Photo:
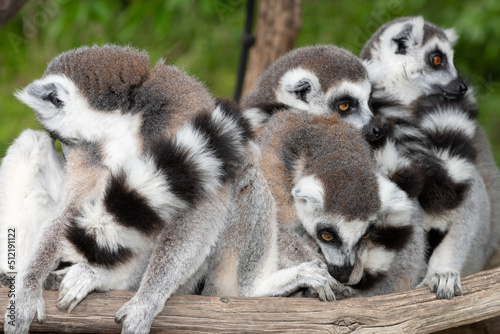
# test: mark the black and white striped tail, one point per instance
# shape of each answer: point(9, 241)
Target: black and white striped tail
point(203, 156)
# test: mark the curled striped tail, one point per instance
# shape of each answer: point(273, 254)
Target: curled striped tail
point(205, 153)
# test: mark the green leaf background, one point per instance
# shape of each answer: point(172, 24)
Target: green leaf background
point(204, 38)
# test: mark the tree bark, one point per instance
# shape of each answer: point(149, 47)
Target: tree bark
point(9, 8)
point(278, 25)
point(416, 311)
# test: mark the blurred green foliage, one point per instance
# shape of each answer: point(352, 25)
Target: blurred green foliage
point(204, 38)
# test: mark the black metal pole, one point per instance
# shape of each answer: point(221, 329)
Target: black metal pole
point(247, 41)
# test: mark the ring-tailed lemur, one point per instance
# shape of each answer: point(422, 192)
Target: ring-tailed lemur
point(148, 187)
point(318, 79)
point(434, 148)
point(149, 150)
point(321, 80)
point(324, 179)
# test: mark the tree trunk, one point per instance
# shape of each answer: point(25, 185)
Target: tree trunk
point(9, 8)
point(278, 25)
point(416, 311)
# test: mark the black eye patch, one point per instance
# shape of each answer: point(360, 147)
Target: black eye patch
point(436, 58)
point(328, 235)
point(344, 105)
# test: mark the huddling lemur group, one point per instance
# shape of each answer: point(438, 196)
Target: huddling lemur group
point(335, 177)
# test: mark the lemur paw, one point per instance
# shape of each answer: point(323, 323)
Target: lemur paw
point(444, 284)
point(27, 303)
point(4, 281)
point(78, 282)
point(137, 317)
point(344, 292)
point(316, 277)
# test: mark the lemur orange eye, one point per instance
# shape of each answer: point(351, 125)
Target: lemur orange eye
point(436, 60)
point(366, 236)
point(326, 237)
point(344, 106)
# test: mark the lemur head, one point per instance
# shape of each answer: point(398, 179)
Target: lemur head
point(408, 58)
point(317, 79)
point(89, 92)
point(321, 168)
point(354, 246)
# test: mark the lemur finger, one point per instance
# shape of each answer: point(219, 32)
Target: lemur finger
point(121, 314)
point(40, 311)
point(333, 283)
point(458, 287)
point(322, 293)
point(74, 303)
point(433, 283)
point(330, 295)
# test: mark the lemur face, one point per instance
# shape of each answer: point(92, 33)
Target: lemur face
point(411, 58)
point(319, 80)
point(301, 89)
point(353, 247)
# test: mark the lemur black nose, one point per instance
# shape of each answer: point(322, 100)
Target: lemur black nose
point(463, 88)
point(341, 274)
point(454, 89)
point(373, 131)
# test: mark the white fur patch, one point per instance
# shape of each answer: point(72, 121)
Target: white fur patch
point(378, 259)
point(389, 160)
point(121, 141)
point(449, 120)
point(256, 117)
point(460, 170)
point(452, 35)
point(310, 189)
point(441, 222)
point(396, 206)
point(308, 194)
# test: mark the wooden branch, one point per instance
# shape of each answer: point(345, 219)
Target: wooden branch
point(416, 311)
point(9, 8)
point(278, 25)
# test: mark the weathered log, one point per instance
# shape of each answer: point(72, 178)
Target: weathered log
point(416, 311)
point(278, 25)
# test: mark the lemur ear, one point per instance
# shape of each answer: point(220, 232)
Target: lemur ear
point(452, 36)
point(395, 204)
point(308, 192)
point(301, 89)
point(297, 85)
point(41, 93)
point(408, 35)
